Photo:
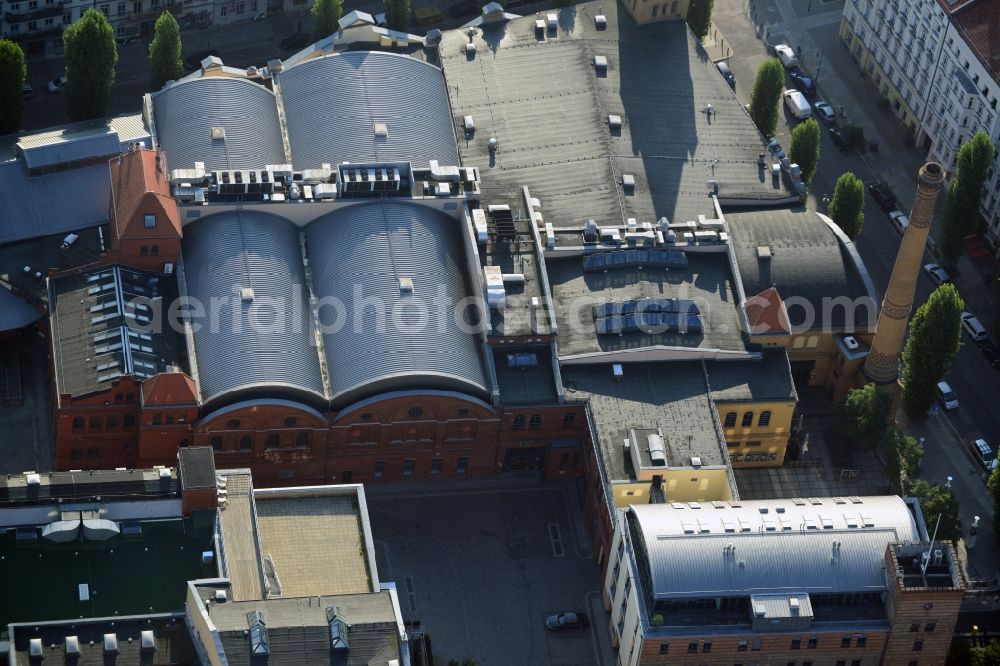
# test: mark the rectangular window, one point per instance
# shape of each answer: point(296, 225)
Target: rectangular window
point(535, 422)
point(241, 7)
point(222, 10)
point(742, 646)
point(757, 644)
point(915, 626)
point(157, 419)
point(518, 423)
point(706, 646)
point(841, 662)
point(149, 221)
point(379, 469)
point(564, 461)
point(463, 466)
point(862, 641)
point(813, 642)
point(436, 466)
point(692, 647)
point(121, 8)
point(137, 7)
point(918, 646)
point(664, 648)
point(408, 466)
point(855, 662)
point(845, 642)
point(930, 626)
point(796, 643)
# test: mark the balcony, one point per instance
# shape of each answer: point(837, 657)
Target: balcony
point(153, 13)
point(48, 11)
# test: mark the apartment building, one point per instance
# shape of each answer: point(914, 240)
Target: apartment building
point(936, 63)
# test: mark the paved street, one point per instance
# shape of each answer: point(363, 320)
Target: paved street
point(813, 25)
point(512, 550)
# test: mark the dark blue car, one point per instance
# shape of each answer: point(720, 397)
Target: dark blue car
point(803, 82)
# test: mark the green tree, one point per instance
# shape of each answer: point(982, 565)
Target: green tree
point(961, 209)
point(996, 303)
point(847, 208)
point(766, 96)
point(903, 455)
point(805, 148)
point(165, 51)
point(12, 75)
point(993, 486)
point(987, 656)
point(699, 17)
point(861, 415)
point(326, 13)
point(397, 15)
point(935, 333)
point(91, 56)
point(936, 500)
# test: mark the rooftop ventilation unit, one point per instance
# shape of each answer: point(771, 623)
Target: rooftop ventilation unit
point(601, 63)
point(617, 371)
point(601, 22)
point(147, 641)
point(469, 124)
point(218, 133)
point(590, 232)
point(35, 650)
point(764, 252)
point(220, 596)
point(614, 122)
point(72, 645)
point(759, 610)
point(851, 342)
point(258, 633)
point(32, 479)
point(628, 182)
point(657, 451)
point(405, 285)
point(110, 643)
point(552, 20)
point(695, 461)
point(246, 294)
point(381, 130)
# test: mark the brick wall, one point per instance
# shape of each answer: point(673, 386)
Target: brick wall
point(726, 650)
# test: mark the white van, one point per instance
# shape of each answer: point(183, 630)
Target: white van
point(786, 55)
point(946, 396)
point(973, 326)
point(797, 104)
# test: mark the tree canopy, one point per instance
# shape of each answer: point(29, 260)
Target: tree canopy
point(165, 51)
point(861, 415)
point(699, 17)
point(805, 148)
point(397, 15)
point(961, 210)
point(12, 75)
point(903, 455)
point(935, 334)
point(766, 96)
point(91, 56)
point(936, 500)
point(326, 13)
point(847, 208)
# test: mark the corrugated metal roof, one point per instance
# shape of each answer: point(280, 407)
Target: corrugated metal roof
point(71, 149)
point(793, 547)
point(186, 112)
point(332, 103)
point(51, 204)
point(367, 249)
point(130, 127)
point(230, 251)
point(15, 312)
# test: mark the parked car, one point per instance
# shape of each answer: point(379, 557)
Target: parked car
point(797, 104)
point(885, 199)
point(27, 90)
point(57, 84)
point(566, 621)
point(840, 139)
point(727, 73)
point(991, 353)
point(984, 454)
point(296, 41)
point(803, 82)
point(825, 112)
point(193, 61)
point(946, 396)
point(775, 148)
point(936, 273)
point(899, 220)
point(973, 326)
point(260, 17)
point(786, 55)
point(125, 41)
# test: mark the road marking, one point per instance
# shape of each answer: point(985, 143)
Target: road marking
point(556, 538)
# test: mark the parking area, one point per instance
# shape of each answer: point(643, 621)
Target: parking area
point(481, 563)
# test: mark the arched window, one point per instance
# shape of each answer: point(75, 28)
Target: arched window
point(143, 251)
point(764, 418)
point(78, 423)
point(519, 422)
point(273, 440)
point(730, 420)
point(535, 422)
point(119, 397)
point(216, 443)
point(93, 453)
point(747, 419)
point(129, 421)
point(656, 10)
point(154, 251)
point(246, 443)
point(95, 423)
point(290, 422)
point(77, 454)
point(113, 422)
point(302, 440)
point(232, 424)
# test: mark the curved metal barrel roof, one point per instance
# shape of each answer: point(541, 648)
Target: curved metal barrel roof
point(252, 354)
point(820, 546)
point(332, 103)
point(186, 113)
point(360, 256)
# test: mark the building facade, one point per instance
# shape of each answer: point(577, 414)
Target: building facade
point(936, 65)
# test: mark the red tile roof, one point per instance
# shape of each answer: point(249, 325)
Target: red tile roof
point(169, 388)
point(979, 24)
point(133, 175)
point(767, 314)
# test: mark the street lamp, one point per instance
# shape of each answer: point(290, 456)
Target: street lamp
point(819, 67)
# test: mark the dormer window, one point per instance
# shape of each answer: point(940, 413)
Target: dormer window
point(149, 221)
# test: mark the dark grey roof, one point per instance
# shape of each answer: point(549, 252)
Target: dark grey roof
point(15, 312)
point(706, 280)
point(368, 249)
point(96, 338)
point(548, 108)
point(522, 383)
point(170, 636)
point(185, 114)
point(810, 263)
point(81, 486)
point(44, 254)
point(197, 467)
point(298, 632)
point(227, 252)
point(671, 396)
point(53, 203)
point(73, 149)
point(769, 378)
point(331, 105)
